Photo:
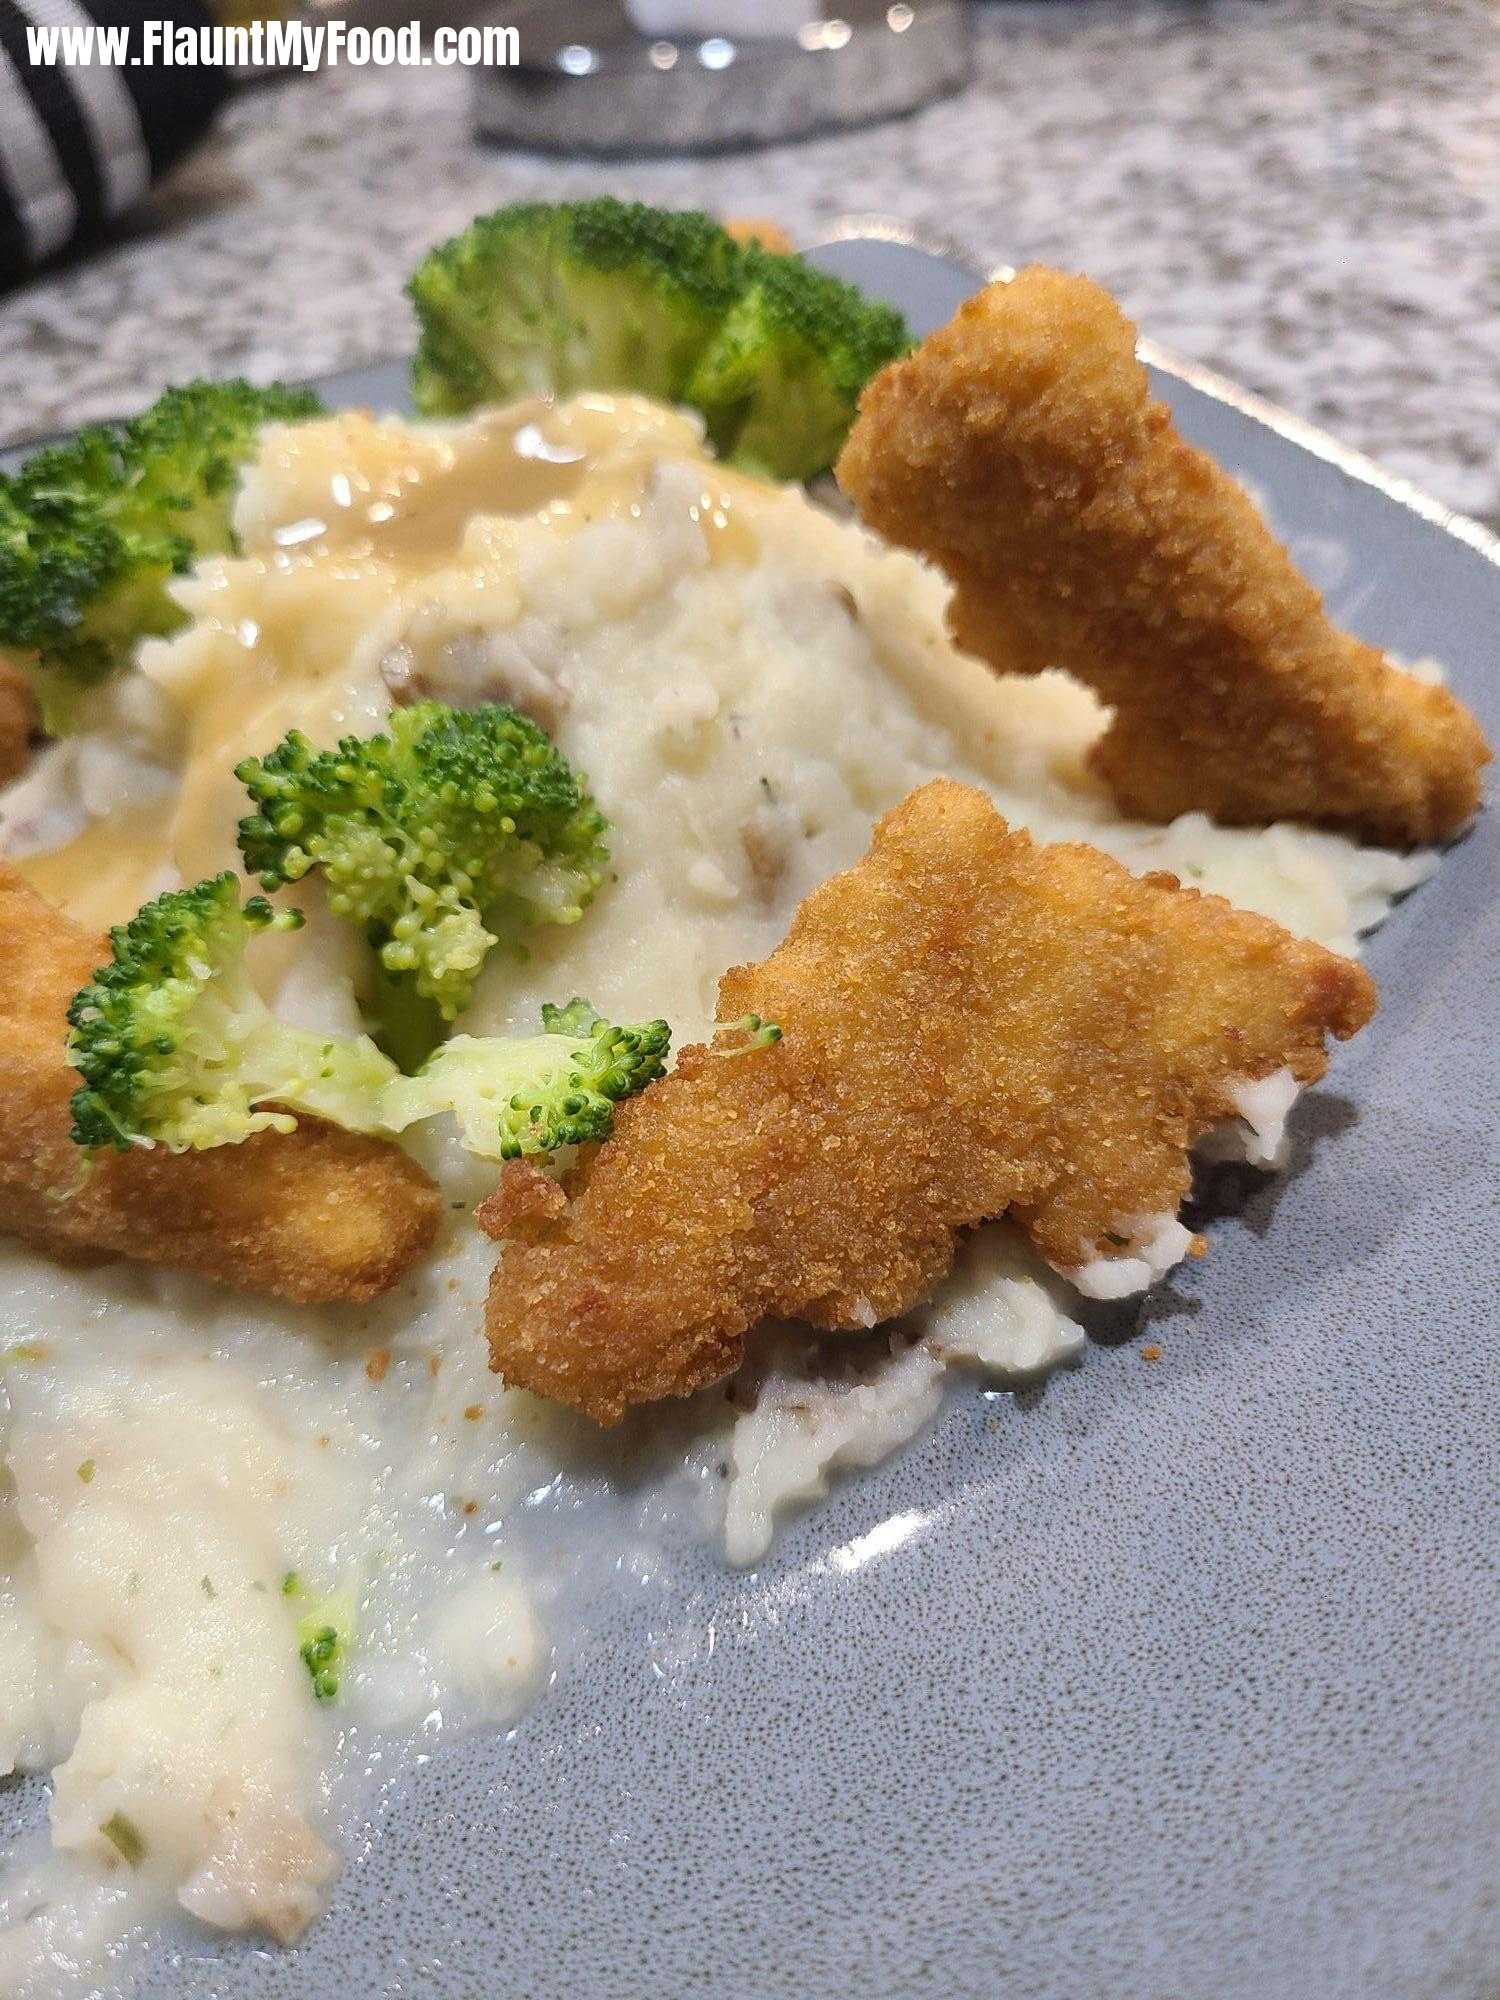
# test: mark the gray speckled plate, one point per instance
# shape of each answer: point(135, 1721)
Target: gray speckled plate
point(1174, 1681)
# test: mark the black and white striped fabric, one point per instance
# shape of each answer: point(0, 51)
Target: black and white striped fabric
point(80, 145)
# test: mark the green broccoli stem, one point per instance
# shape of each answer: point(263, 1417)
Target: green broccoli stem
point(327, 1076)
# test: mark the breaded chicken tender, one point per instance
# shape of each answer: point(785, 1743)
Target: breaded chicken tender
point(973, 1025)
point(316, 1215)
point(18, 720)
point(1020, 449)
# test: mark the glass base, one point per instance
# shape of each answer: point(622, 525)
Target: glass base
point(589, 83)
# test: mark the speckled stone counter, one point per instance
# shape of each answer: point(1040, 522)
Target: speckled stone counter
point(1304, 193)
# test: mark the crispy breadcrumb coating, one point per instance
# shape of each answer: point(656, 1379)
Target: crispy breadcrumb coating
point(316, 1215)
point(1020, 449)
point(972, 1025)
point(19, 720)
point(524, 1196)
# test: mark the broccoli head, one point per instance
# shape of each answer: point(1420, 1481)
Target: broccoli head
point(543, 297)
point(780, 383)
point(80, 579)
point(185, 453)
point(456, 829)
point(93, 531)
point(607, 294)
point(325, 1636)
point(534, 1094)
point(176, 1047)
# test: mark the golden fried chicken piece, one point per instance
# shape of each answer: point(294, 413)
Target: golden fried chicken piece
point(18, 720)
point(973, 1025)
point(1020, 449)
point(315, 1215)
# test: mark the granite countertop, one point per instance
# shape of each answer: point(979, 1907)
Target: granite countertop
point(1306, 197)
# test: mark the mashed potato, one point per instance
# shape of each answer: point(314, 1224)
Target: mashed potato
point(748, 684)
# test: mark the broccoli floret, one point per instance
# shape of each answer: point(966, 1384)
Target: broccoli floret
point(616, 295)
point(780, 384)
point(184, 454)
point(534, 1094)
point(759, 1034)
point(80, 579)
point(322, 1654)
point(541, 298)
point(176, 1047)
point(93, 531)
point(325, 1639)
point(457, 829)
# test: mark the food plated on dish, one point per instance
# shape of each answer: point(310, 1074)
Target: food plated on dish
point(937, 880)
